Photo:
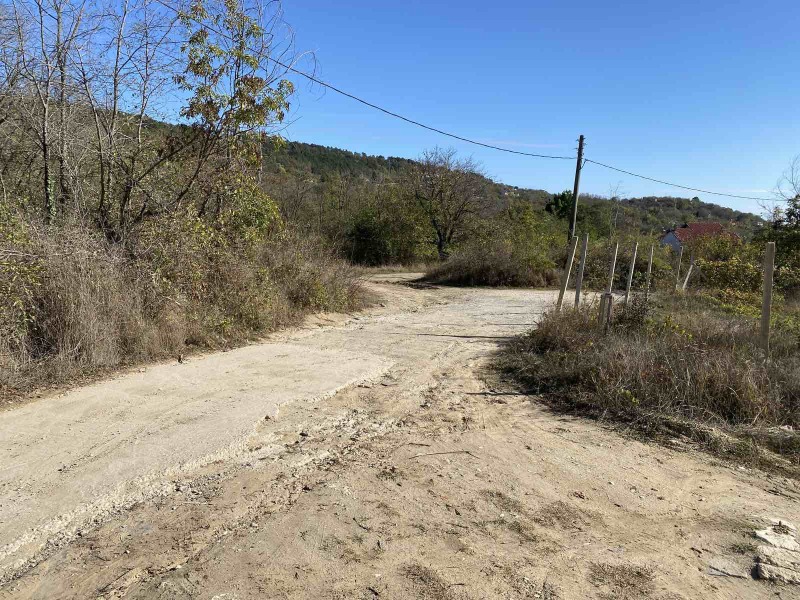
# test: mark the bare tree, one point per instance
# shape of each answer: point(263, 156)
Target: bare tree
point(785, 204)
point(86, 86)
point(69, 15)
point(293, 194)
point(41, 35)
point(449, 190)
point(788, 190)
point(9, 81)
point(615, 193)
point(788, 187)
point(9, 63)
point(130, 67)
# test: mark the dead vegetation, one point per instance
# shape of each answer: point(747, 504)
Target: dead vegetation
point(85, 306)
point(678, 369)
point(560, 515)
point(495, 263)
point(428, 585)
point(622, 581)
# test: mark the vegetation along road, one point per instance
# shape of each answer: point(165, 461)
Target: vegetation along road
point(372, 456)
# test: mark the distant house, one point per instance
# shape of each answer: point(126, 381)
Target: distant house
point(679, 236)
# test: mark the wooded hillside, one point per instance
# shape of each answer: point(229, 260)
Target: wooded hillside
point(303, 162)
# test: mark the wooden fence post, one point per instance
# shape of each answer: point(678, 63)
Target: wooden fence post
point(678, 269)
point(630, 274)
point(581, 268)
point(612, 268)
point(766, 305)
point(607, 298)
point(649, 273)
point(606, 308)
point(601, 316)
point(567, 270)
point(688, 273)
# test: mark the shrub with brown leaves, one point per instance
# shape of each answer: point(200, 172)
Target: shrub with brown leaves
point(82, 305)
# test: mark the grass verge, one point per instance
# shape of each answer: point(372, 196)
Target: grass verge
point(679, 368)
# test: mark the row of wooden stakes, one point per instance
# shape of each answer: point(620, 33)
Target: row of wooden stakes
point(607, 298)
point(573, 246)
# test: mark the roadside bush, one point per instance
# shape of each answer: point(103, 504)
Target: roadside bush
point(20, 275)
point(733, 273)
point(599, 258)
point(495, 263)
point(387, 235)
point(519, 248)
point(78, 304)
point(730, 277)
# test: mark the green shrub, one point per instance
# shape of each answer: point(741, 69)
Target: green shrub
point(518, 248)
point(733, 273)
point(392, 234)
point(599, 258)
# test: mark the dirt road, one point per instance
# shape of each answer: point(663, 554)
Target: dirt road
point(369, 458)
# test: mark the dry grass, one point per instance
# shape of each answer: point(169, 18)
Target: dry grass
point(418, 267)
point(427, 584)
point(681, 369)
point(623, 581)
point(89, 307)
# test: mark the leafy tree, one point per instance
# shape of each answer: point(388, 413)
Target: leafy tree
point(560, 205)
point(235, 94)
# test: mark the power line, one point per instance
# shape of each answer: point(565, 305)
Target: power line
point(412, 121)
point(329, 86)
point(388, 112)
point(375, 106)
point(677, 185)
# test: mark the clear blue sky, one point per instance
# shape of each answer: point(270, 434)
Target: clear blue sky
point(703, 93)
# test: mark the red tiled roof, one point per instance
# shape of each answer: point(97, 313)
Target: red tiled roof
point(695, 230)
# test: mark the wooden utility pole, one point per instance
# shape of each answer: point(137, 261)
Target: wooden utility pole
point(581, 268)
point(576, 189)
point(567, 271)
point(649, 274)
point(630, 273)
point(766, 305)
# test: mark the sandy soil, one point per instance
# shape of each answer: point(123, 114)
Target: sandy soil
point(367, 457)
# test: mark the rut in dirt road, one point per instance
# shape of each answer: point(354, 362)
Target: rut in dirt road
point(72, 459)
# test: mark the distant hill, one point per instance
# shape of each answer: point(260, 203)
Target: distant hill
point(654, 214)
point(313, 159)
point(676, 211)
point(650, 214)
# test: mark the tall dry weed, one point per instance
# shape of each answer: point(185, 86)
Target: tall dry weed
point(90, 306)
point(680, 361)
